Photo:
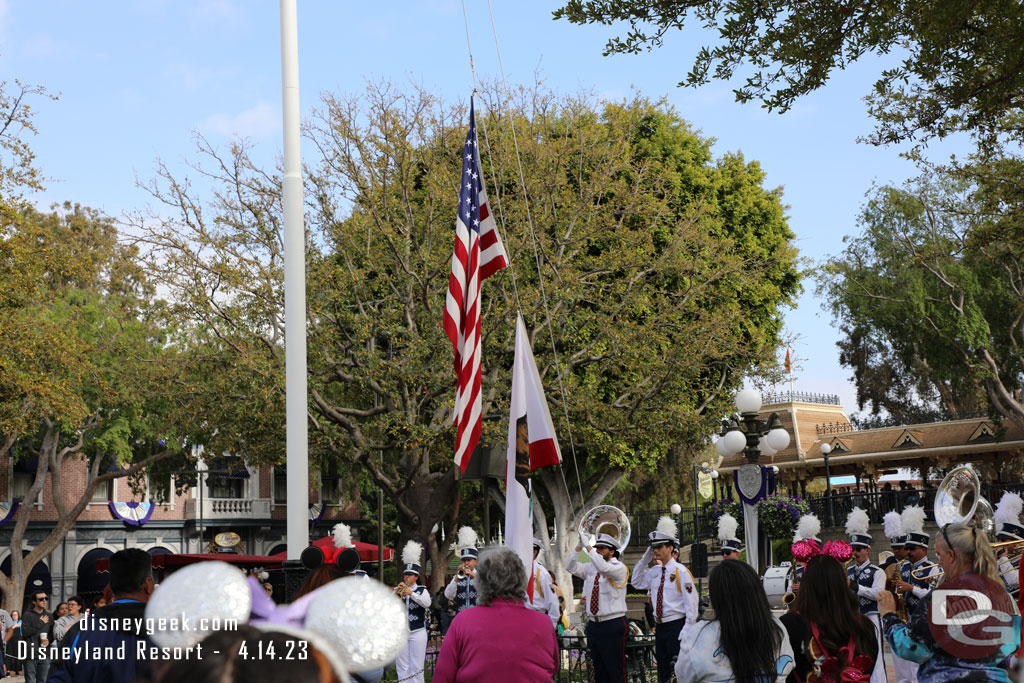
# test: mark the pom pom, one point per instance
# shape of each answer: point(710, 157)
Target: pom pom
point(727, 526)
point(667, 526)
point(1008, 509)
point(913, 520)
point(857, 522)
point(467, 538)
point(342, 536)
point(893, 524)
point(412, 552)
point(804, 550)
point(840, 550)
point(809, 526)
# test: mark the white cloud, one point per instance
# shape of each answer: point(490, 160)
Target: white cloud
point(256, 122)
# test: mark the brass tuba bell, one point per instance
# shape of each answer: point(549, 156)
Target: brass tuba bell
point(606, 519)
point(958, 500)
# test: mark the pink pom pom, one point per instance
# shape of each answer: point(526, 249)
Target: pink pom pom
point(804, 550)
point(840, 550)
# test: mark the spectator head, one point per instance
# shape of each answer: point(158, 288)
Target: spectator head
point(15, 614)
point(825, 599)
point(222, 665)
point(887, 486)
point(321, 576)
point(74, 605)
point(268, 588)
point(40, 601)
point(749, 637)
point(60, 610)
point(500, 576)
point(131, 574)
point(961, 548)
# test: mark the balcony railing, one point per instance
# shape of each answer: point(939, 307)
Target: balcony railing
point(643, 523)
point(228, 508)
point(878, 503)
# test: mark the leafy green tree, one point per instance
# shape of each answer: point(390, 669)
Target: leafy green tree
point(930, 297)
point(664, 270)
point(950, 65)
point(85, 381)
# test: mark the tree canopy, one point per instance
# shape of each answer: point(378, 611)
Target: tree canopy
point(665, 271)
point(950, 65)
point(930, 296)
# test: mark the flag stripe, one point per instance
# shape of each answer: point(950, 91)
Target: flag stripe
point(478, 253)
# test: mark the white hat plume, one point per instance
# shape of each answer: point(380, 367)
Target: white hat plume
point(667, 526)
point(1008, 509)
point(727, 526)
point(809, 526)
point(412, 552)
point(913, 519)
point(893, 524)
point(467, 537)
point(342, 536)
point(857, 522)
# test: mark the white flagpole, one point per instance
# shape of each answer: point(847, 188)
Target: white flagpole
point(294, 291)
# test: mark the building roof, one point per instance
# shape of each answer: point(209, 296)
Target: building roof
point(942, 444)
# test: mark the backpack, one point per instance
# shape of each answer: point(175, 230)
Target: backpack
point(828, 669)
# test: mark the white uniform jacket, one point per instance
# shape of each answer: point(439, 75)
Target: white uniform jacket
point(611, 589)
point(678, 594)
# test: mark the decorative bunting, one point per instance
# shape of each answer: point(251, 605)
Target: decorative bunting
point(131, 512)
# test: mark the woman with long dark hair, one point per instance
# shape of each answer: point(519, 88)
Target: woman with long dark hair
point(744, 642)
point(825, 622)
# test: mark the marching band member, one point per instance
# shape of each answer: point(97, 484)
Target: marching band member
point(670, 587)
point(1008, 528)
point(604, 597)
point(868, 580)
point(461, 590)
point(914, 588)
point(409, 662)
point(731, 545)
point(540, 591)
point(807, 529)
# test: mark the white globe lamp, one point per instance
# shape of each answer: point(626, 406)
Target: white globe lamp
point(778, 438)
point(748, 401)
point(826, 448)
point(735, 440)
point(721, 449)
point(714, 474)
point(676, 508)
point(766, 450)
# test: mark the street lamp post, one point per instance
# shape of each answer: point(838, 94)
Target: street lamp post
point(826, 448)
point(748, 433)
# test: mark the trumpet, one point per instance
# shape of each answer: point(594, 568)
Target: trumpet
point(400, 588)
point(461, 574)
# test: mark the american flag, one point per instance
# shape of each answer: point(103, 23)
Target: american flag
point(479, 253)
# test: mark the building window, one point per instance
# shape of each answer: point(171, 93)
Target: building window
point(104, 492)
point(280, 485)
point(20, 484)
point(225, 487)
point(330, 485)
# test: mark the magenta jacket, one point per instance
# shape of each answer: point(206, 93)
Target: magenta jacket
point(503, 642)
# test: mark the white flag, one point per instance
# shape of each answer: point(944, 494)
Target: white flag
point(531, 445)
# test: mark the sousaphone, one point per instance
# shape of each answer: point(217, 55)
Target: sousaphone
point(606, 519)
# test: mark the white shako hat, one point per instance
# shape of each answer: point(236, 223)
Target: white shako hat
point(665, 533)
point(894, 529)
point(1007, 516)
point(727, 526)
point(411, 557)
point(857, 523)
point(808, 528)
point(467, 540)
point(913, 526)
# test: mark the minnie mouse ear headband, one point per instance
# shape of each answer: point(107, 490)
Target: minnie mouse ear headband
point(805, 550)
point(357, 625)
point(343, 553)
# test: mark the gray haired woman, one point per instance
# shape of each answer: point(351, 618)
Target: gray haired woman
point(500, 640)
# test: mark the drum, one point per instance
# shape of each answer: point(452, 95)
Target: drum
point(776, 582)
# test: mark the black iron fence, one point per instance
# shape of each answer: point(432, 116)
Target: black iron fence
point(833, 508)
point(692, 528)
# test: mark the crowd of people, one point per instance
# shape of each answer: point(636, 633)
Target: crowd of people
point(848, 616)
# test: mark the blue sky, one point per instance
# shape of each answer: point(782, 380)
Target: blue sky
point(135, 80)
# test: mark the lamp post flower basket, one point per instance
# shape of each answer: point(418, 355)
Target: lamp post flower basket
point(778, 515)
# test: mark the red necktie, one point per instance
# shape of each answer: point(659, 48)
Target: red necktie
point(594, 594)
point(661, 591)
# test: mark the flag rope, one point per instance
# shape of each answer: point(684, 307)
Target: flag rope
point(540, 274)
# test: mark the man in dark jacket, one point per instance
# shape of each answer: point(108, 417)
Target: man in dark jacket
point(35, 628)
point(121, 624)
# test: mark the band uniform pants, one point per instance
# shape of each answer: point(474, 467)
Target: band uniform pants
point(607, 643)
point(905, 670)
point(410, 661)
point(666, 647)
point(878, 673)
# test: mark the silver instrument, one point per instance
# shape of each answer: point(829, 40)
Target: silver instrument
point(606, 519)
point(958, 500)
